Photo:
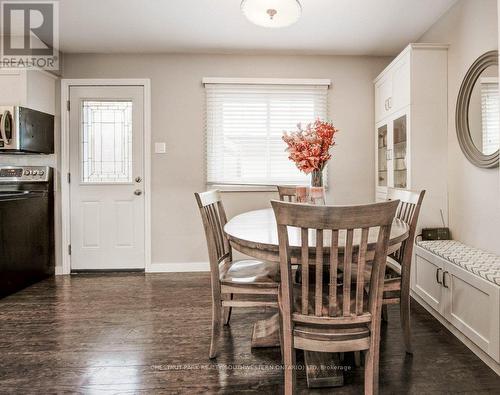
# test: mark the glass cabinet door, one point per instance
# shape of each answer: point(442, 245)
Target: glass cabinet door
point(382, 156)
point(399, 154)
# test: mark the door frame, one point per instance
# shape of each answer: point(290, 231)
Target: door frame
point(66, 84)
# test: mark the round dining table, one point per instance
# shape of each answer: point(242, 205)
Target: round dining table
point(255, 234)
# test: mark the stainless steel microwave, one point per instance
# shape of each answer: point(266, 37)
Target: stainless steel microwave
point(23, 130)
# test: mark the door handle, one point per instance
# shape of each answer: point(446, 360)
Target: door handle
point(444, 279)
point(138, 179)
point(437, 275)
point(3, 122)
point(137, 192)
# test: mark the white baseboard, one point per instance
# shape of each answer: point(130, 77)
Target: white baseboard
point(178, 267)
point(163, 268)
point(464, 339)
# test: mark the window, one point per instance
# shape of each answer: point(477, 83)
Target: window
point(106, 146)
point(490, 108)
point(244, 126)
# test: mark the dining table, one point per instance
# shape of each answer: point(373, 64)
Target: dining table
point(255, 234)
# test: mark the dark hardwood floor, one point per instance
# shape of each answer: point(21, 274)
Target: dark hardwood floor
point(135, 333)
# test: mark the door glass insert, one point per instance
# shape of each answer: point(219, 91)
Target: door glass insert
point(382, 156)
point(106, 141)
point(400, 168)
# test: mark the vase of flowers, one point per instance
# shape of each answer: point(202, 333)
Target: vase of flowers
point(309, 148)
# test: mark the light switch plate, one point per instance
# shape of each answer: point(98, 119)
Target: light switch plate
point(160, 148)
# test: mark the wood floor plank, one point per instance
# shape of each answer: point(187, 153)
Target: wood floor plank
point(136, 333)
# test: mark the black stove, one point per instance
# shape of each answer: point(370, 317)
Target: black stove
point(26, 226)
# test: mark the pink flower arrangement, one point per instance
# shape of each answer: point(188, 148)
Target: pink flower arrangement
point(309, 148)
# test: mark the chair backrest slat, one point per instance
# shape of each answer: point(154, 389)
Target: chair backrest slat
point(346, 307)
point(305, 269)
point(354, 224)
point(334, 262)
point(361, 270)
point(318, 304)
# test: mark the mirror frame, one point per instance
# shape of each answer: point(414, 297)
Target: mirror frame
point(469, 149)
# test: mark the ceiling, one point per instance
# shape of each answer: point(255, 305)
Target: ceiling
point(353, 27)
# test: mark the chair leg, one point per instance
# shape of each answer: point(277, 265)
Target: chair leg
point(372, 362)
point(281, 336)
point(384, 313)
point(404, 311)
point(216, 326)
point(369, 372)
point(289, 366)
point(357, 358)
point(227, 312)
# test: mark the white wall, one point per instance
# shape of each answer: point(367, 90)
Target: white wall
point(470, 27)
point(178, 104)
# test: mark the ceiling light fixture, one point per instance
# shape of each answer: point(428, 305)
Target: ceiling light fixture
point(272, 13)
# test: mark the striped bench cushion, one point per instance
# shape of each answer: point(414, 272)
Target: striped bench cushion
point(474, 260)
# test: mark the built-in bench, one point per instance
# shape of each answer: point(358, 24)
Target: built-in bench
point(474, 260)
point(460, 285)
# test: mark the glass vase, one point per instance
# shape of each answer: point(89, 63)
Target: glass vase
point(317, 178)
point(317, 193)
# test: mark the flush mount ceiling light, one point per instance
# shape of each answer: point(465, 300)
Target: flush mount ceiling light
point(272, 13)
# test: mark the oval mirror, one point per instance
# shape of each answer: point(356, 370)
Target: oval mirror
point(478, 112)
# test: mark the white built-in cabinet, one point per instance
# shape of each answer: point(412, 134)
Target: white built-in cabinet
point(468, 302)
point(411, 127)
point(35, 89)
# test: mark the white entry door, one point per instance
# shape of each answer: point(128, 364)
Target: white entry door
point(107, 177)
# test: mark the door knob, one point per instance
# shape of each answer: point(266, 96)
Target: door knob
point(138, 192)
point(138, 179)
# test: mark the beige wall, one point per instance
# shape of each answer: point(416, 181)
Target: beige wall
point(178, 104)
point(470, 27)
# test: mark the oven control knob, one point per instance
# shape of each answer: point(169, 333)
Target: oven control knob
point(34, 172)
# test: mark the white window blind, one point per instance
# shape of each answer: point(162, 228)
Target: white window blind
point(490, 110)
point(244, 126)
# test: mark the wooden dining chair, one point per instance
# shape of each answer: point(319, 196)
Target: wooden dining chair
point(397, 277)
point(241, 283)
point(339, 316)
point(287, 193)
